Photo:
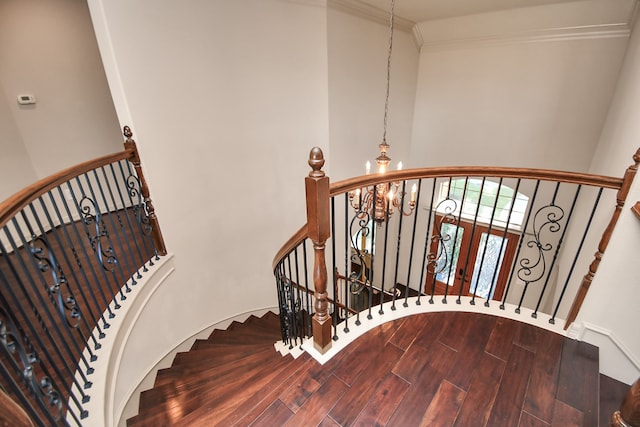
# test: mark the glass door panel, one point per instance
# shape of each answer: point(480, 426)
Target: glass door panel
point(487, 265)
point(448, 253)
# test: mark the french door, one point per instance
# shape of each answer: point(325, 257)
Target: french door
point(468, 260)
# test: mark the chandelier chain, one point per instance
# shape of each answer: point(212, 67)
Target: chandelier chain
point(386, 101)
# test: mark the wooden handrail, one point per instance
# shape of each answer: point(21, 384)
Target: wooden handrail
point(349, 184)
point(289, 246)
point(343, 186)
point(11, 206)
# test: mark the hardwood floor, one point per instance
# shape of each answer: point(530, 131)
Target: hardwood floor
point(437, 369)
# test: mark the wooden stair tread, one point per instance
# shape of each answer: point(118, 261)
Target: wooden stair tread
point(217, 377)
point(213, 393)
point(215, 365)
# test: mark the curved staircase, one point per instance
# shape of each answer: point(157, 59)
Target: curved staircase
point(222, 380)
point(448, 369)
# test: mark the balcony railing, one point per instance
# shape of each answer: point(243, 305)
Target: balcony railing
point(72, 246)
point(516, 242)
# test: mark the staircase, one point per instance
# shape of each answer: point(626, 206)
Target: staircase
point(452, 368)
point(221, 380)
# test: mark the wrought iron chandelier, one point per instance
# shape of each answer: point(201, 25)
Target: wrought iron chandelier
point(379, 201)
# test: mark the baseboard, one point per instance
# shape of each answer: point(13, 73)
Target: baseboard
point(616, 359)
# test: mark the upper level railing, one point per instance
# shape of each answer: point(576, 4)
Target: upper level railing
point(72, 246)
point(507, 238)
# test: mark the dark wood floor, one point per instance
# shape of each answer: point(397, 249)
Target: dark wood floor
point(438, 369)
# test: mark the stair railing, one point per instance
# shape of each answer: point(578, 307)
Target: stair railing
point(510, 238)
point(72, 246)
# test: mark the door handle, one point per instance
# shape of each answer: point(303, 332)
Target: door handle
point(465, 279)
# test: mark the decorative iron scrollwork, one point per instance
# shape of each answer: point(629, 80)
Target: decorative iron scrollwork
point(439, 260)
point(100, 241)
point(47, 263)
point(287, 311)
point(139, 207)
point(546, 222)
point(15, 348)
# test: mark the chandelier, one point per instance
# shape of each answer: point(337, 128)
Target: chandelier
point(379, 201)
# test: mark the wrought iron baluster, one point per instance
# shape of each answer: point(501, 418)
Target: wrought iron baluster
point(46, 396)
point(93, 223)
point(455, 237)
point(128, 253)
point(486, 245)
point(306, 286)
point(413, 240)
point(555, 255)
point(141, 262)
point(40, 302)
point(502, 243)
point(134, 193)
point(82, 243)
point(427, 240)
point(292, 304)
point(532, 202)
point(70, 302)
point(122, 262)
point(347, 270)
point(384, 260)
point(81, 270)
point(468, 254)
point(532, 271)
point(372, 257)
point(18, 308)
point(66, 307)
point(575, 259)
point(334, 269)
point(395, 274)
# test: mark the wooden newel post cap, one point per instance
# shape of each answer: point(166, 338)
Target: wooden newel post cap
point(126, 131)
point(316, 161)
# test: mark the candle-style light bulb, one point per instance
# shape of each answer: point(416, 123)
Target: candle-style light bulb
point(357, 198)
point(400, 165)
point(414, 190)
point(368, 167)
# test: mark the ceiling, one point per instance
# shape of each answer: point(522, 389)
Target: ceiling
point(425, 10)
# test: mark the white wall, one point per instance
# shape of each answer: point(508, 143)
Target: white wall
point(48, 49)
point(357, 63)
point(15, 164)
point(609, 315)
point(226, 99)
point(524, 87)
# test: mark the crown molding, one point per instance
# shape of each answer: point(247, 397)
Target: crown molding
point(550, 35)
point(588, 19)
point(363, 10)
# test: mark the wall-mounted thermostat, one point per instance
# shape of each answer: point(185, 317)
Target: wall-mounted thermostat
point(26, 99)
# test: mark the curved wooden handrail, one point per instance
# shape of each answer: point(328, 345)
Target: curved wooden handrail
point(349, 184)
point(462, 171)
point(293, 241)
point(11, 206)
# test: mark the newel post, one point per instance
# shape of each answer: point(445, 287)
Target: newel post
point(317, 191)
point(629, 413)
point(156, 234)
point(621, 197)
